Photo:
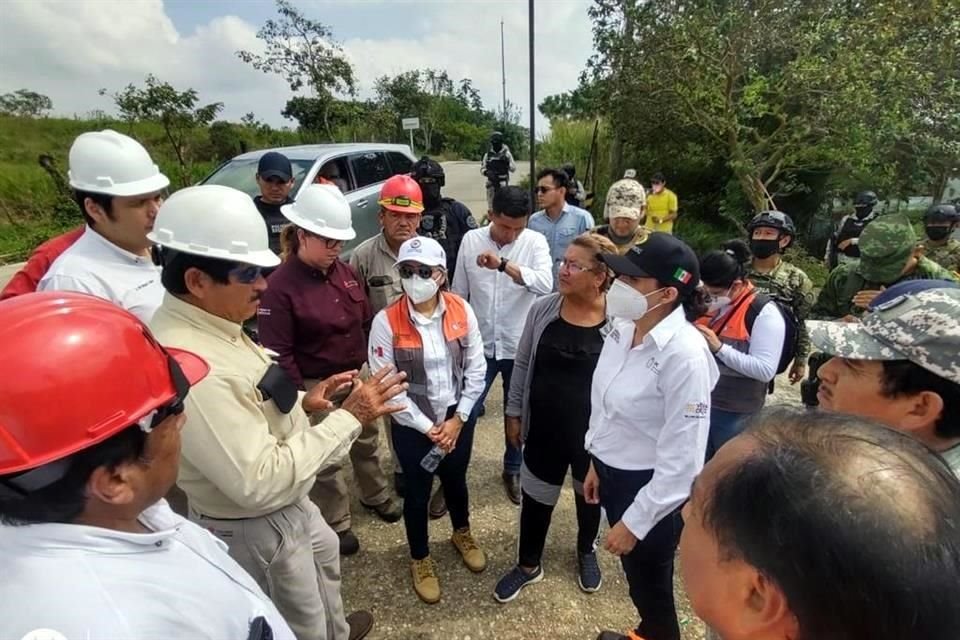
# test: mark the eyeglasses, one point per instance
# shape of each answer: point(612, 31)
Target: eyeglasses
point(422, 270)
point(544, 189)
point(246, 273)
point(329, 242)
point(181, 385)
point(573, 267)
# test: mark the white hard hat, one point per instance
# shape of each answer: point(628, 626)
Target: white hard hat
point(113, 164)
point(423, 250)
point(322, 209)
point(214, 221)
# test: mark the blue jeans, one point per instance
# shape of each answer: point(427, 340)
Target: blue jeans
point(512, 456)
point(724, 426)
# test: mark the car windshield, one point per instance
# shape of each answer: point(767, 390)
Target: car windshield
point(242, 174)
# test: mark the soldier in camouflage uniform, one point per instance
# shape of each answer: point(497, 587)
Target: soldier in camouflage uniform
point(771, 233)
point(889, 253)
point(900, 366)
point(623, 211)
point(939, 222)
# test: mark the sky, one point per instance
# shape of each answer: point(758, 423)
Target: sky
point(68, 49)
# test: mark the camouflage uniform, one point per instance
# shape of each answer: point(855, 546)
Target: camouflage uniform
point(790, 283)
point(946, 255)
point(922, 327)
point(625, 199)
point(885, 247)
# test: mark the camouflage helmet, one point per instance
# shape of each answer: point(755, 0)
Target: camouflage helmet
point(922, 327)
point(775, 219)
point(625, 199)
point(941, 213)
point(886, 245)
point(427, 168)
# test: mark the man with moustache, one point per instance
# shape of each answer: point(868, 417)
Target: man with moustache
point(249, 452)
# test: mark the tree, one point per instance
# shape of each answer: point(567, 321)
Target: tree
point(175, 110)
point(25, 104)
point(303, 52)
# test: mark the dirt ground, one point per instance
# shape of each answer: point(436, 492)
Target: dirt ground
point(378, 578)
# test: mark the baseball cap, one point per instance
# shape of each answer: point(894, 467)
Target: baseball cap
point(910, 287)
point(885, 246)
point(662, 256)
point(274, 165)
point(625, 199)
point(923, 328)
point(423, 250)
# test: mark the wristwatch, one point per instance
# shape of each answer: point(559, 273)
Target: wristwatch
point(503, 265)
point(463, 416)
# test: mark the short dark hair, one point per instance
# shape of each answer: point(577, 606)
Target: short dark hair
point(65, 500)
point(176, 263)
point(810, 508)
point(560, 177)
point(105, 201)
point(721, 268)
point(658, 177)
point(904, 378)
point(511, 201)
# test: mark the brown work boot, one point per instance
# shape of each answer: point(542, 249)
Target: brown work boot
point(438, 504)
point(473, 555)
point(425, 581)
point(361, 622)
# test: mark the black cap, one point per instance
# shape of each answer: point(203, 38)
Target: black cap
point(274, 165)
point(662, 256)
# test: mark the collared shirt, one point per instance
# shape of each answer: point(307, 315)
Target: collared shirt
point(500, 303)
point(376, 263)
point(28, 277)
point(442, 391)
point(316, 322)
point(650, 410)
point(572, 222)
point(241, 456)
point(89, 582)
point(96, 266)
point(952, 456)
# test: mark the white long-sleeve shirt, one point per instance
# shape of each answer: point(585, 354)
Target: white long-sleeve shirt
point(442, 389)
point(766, 344)
point(650, 410)
point(177, 581)
point(500, 303)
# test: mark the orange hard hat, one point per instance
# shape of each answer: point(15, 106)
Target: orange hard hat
point(77, 370)
point(402, 194)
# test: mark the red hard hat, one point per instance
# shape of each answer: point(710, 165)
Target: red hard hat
point(401, 193)
point(77, 370)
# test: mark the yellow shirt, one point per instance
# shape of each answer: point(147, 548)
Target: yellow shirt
point(659, 206)
point(241, 457)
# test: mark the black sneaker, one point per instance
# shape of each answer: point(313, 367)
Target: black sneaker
point(588, 572)
point(349, 544)
point(510, 585)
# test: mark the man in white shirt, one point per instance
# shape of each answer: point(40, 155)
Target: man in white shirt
point(119, 190)
point(501, 269)
point(90, 548)
point(558, 221)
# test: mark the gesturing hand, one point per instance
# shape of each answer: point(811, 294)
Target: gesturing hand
point(321, 397)
point(368, 400)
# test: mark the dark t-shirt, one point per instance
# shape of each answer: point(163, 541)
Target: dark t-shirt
point(562, 376)
point(274, 220)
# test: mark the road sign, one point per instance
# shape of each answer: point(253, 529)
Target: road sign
point(410, 123)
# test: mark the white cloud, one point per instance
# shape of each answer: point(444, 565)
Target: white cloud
point(69, 49)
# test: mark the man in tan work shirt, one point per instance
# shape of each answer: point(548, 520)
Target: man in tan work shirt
point(249, 453)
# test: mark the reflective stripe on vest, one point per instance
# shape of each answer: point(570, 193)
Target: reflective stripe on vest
point(408, 347)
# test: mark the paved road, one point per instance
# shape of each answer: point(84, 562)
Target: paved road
point(464, 183)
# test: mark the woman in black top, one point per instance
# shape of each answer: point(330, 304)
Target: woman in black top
point(548, 409)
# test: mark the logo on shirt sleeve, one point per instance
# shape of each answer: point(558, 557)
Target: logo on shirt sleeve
point(696, 410)
point(377, 351)
point(263, 311)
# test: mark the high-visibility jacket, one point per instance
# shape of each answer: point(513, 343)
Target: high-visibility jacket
point(408, 347)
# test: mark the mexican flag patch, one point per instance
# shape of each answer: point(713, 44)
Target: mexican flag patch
point(682, 275)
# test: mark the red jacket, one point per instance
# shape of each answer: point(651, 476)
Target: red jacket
point(27, 279)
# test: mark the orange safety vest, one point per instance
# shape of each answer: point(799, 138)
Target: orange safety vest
point(408, 346)
point(734, 391)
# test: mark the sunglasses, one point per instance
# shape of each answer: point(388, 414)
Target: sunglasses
point(247, 273)
point(422, 270)
point(173, 408)
point(544, 189)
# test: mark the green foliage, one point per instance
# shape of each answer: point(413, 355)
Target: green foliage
point(25, 104)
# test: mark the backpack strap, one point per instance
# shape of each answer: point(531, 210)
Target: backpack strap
point(756, 306)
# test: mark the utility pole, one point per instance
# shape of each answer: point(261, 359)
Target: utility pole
point(533, 148)
point(503, 74)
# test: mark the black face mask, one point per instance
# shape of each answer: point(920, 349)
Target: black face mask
point(764, 248)
point(431, 194)
point(938, 233)
point(497, 146)
point(862, 211)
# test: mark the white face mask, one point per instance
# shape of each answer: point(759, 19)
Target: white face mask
point(419, 289)
point(718, 304)
point(623, 301)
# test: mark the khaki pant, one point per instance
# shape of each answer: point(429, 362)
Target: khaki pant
point(331, 491)
point(295, 558)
